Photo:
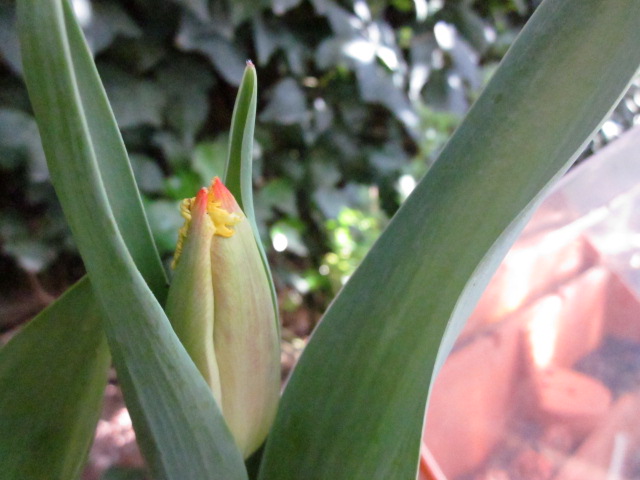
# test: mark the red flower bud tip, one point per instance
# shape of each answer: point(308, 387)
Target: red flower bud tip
point(222, 208)
point(221, 307)
point(201, 201)
point(222, 194)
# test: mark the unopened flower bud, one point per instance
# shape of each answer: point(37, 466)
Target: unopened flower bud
point(221, 307)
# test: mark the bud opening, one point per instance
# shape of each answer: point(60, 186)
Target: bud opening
point(221, 208)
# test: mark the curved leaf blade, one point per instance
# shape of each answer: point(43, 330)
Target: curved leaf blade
point(66, 344)
point(238, 170)
point(354, 406)
point(238, 175)
point(113, 162)
point(179, 426)
point(52, 379)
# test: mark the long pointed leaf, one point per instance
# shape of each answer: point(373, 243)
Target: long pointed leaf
point(238, 170)
point(354, 406)
point(179, 427)
point(52, 378)
point(64, 430)
point(113, 163)
point(238, 175)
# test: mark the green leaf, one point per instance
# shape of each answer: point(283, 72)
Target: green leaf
point(213, 39)
point(238, 171)
point(9, 48)
point(279, 194)
point(269, 37)
point(209, 158)
point(354, 406)
point(280, 7)
point(107, 21)
point(148, 173)
point(123, 473)
point(287, 105)
point(199, 8)
point(165, 220)
point(52, 375)
point(178, 425)
point(32, 254)
point(135, 101)
point(112, 161)
point(19, 138)
point(186, 83)
point(238, 174)
point(182, 184)
point(65, 427)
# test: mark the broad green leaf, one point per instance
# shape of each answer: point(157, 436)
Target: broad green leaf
point(135, 101)
point(186, 83)
point(354, 406)
point(209, 158)
point(179, 427)
point(8, 41)
point(74, 384)
point(238, 174)
point(200, 8)
point(287, 105)
point(20, 141)
point(212, 39)
point(52, 378)
point(165, 220)
point(106, 22)
point(113, 163)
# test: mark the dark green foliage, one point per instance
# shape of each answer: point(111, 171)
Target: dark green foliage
point(352, 98)
point(345, 132)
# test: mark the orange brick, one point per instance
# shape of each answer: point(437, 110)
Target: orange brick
point(471, 400)
point(570, 398)
point(594, 457)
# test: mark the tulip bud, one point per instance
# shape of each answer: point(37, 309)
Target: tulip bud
point(221, 307)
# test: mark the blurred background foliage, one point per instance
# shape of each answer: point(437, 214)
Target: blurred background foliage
point(356, 100)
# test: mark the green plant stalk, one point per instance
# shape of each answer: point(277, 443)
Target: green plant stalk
point(354, 406)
